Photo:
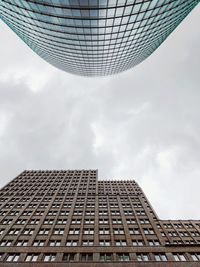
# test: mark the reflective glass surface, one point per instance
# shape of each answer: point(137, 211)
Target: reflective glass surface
point(94, 37)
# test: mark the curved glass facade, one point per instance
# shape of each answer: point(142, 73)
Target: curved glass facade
point(94, 37)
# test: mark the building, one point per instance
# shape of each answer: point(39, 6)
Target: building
point(69, 218)
point(94, 37)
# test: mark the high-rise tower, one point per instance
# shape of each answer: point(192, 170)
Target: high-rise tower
point(94, 37)
point(69, 218)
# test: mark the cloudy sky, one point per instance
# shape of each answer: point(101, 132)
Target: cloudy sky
point(142, 124)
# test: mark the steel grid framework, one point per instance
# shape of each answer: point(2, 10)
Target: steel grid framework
point(94, 37)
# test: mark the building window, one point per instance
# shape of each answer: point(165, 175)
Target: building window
point(3, 212)
point(5, 243)
point(142, 257)
point(77, 212)
point(148, 231)
point(32, 257)
point(130, 221)
point(38, 243)
point(88, 231)
point(137, 243)
point(55, 205)
point(195, 234)
point(71, 243)
point(49, 257)
point(64, 212)
point(20, 221)
point(14, 232)
point(140, 212)
point(34, 221)
point(177, 225)
point(86, 256)
point(62, 221)
point(59, 231)
point(134, 231)
point(154, 243)
point(38, 213)
point(44, 231)
point(128, 212)
point(195, 256)
point(105, 256)
point(104, 231)
point(183, 233)
point(189, 225)
point(7, 221)
point(88, 243)
point(160, 257)
point(89, 221)
point(22, 243)
point(69, 257)
point(48, 221)
point(28, 231)
point(103, 213)
point(103, 221)
point(104, 243)
point(52, 212)
point(115, 212)
point(117, 221)
point(76, 221)
point(172, 233)
point(1, 231)
point(13, 257)
point(74, 231)
point(144, 221)
point(54, 243)
point(120, 243)
point(123, 257)
point(118, 231)
point(179, 257)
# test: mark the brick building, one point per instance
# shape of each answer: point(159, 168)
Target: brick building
point(69, 218)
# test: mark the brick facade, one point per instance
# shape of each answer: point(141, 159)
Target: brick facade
point(70, 218)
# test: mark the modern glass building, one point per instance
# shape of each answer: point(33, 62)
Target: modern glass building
point(94, 37)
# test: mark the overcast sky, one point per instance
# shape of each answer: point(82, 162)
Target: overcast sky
point(143, 124)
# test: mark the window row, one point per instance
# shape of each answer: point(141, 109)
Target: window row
point(74, 221)
point(75, 242)
point(105, 257)
point(76, 231)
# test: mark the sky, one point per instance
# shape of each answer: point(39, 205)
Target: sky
point(142, 124)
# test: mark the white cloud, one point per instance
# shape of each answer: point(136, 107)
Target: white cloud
point(142, 124)
point(3, 123)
